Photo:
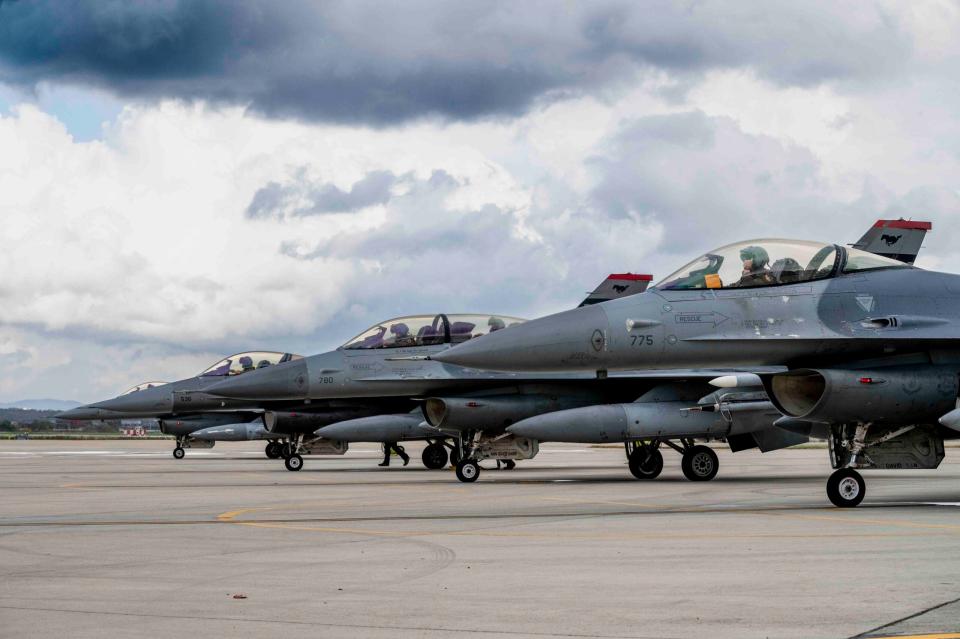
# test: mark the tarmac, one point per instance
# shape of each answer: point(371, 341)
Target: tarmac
point(118, 539)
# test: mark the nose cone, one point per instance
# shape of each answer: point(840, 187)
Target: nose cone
point(282, 381)
point(145, 403)
point(572, 340)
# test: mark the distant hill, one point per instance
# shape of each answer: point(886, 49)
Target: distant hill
point(41, 404)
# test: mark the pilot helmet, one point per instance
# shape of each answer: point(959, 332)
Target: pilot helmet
point(756, 253)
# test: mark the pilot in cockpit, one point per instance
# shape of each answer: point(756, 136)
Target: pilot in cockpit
point(495, 324)
point(400, 335)
point(755, 270)
point(246, 364)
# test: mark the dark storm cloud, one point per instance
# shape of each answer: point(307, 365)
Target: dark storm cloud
point(301, 197)
point(381, 63)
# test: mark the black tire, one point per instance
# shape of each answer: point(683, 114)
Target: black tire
point(178, 453)
point(509, 464)
point(434, 456)
point(293, 462)
point(468, 471)
point(645, 463)
point(454, 456)
point(273, 450)
point(846, 488)
point(285, 449)
point(700, 463)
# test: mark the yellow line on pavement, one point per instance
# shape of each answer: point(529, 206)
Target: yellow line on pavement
point(571, 536)
point(853, 519)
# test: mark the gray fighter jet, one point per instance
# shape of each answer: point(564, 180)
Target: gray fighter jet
point(391, 360)
point(850, 346)
point(198, 419)
point(384, 429)
point(683, 410)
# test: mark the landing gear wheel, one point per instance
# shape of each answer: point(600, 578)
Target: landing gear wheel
point(509, 464)
point(434, 456)
point(700, 463)
point(846, 488)
point(468, 471)
point(178, 453)
point(645, 464)
point(286, 450)
point(273, 450)
point(454, 456)
point(293, 462)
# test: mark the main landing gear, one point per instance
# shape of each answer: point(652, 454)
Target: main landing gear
point(434, 456)
point(698, 462)
point(273, 450)
point(645, 460)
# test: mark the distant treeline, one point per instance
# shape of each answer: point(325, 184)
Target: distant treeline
point(26, 416)
point(42, 421)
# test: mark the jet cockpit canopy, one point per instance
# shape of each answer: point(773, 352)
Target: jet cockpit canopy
point(426, 330)
point(140, 387)
point(771, 262)
point(243, 362)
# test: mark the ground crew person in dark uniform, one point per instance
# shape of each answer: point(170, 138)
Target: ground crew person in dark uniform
point(387, 447)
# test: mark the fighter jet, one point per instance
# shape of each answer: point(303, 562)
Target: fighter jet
point(197, 419)
point(850, 346)
point(460, 408)
point(676, 412)
point(385, 429)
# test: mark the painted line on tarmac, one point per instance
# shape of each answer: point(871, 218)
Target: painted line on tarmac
point(853, 519)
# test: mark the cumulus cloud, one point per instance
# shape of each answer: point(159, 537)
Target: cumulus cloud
point(383, 63)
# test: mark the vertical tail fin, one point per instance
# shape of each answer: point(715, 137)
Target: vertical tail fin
point(897, 239)
point(618, 285)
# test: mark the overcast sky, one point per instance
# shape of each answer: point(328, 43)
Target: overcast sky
point(184, 180)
